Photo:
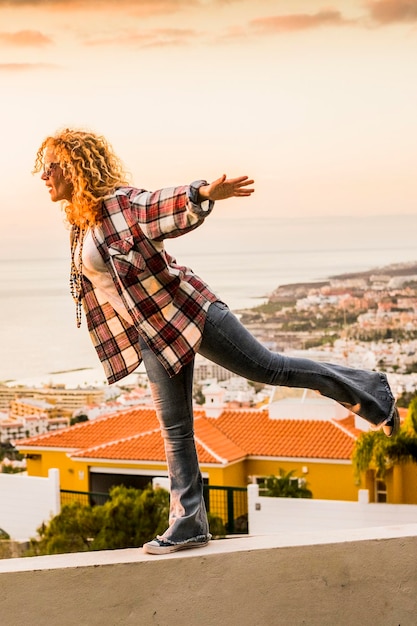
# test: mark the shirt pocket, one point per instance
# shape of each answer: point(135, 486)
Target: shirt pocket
point(125, 259)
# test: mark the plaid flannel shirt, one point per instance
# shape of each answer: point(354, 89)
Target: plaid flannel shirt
point(167, 302)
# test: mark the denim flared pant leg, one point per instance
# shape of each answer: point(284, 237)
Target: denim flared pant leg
point(227, 342)
point(173, 402)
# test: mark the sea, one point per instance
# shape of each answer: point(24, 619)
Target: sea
point(243, 260)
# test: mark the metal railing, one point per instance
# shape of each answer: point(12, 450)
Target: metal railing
point(90, 498)
point(230, 504)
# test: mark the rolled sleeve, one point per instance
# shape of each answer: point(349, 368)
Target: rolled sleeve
point(204, 208)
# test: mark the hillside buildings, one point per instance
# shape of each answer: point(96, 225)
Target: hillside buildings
point(27, 411)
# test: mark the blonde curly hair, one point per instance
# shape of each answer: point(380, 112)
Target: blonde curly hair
point(90, 165)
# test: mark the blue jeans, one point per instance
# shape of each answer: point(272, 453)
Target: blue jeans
point(228, 343)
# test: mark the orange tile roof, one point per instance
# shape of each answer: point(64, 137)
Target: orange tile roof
point(134, 435)
point(150, 444)
point(103, 429)
point(348, 424)
point(261, 436)
point(222, 447)
point(212, 446)
point(146, 447)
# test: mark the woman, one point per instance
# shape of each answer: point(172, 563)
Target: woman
point(141, 305)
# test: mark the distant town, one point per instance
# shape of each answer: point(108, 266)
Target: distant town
point(366, 319)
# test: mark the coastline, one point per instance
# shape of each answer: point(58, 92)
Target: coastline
point(86, 376)
point(37, 328)
point(407, 268)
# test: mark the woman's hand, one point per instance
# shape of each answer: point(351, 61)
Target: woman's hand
point(223, 188)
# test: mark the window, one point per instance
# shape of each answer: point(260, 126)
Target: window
point(380, 489)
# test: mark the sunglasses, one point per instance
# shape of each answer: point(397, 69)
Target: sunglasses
point(48, 168)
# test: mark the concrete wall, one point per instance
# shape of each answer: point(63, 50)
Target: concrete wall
point(26, 502)
point(343, 578)
point(12, 549)
point(269, 516)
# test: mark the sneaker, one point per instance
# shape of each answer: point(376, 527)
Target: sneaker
point(159, 546)
point(392, 427)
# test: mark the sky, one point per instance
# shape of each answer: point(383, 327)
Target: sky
point(314, 99)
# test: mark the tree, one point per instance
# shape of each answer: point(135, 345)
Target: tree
point(11, 469)
point(411, 422)
point(405, 398)
point(128, 519)
point(132, 517)
point(77, 419)
point(374, 450)
point(3, 535)
point(198, 395)
point(285, 486)
point(72, 530)
point(216, 524)
point(8, 451)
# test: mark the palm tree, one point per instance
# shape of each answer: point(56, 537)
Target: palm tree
point(374, 450)
point(285, 486)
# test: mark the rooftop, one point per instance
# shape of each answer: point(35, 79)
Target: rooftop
point(133, 434)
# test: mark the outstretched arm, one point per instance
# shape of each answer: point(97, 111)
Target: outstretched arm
point(223, 188)
point(172, 212)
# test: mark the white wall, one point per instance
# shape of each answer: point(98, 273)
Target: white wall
point(26, 502)
point(344, 578)
point(269, 516)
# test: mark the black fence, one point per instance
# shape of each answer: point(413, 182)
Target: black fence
point(90, 498)
point(229, 504)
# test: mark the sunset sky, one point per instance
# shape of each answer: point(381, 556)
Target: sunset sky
point(315, 99)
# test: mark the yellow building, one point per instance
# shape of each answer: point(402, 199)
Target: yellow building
point(65, 399)
point(237, 447)
point(27, 407)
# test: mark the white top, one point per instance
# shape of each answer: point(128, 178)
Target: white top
point(96, 271)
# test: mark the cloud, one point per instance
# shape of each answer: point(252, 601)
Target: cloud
point(379, 12)
point(299, 21)
point(26, 67)
point(25, 38)
point(158, 37)
point(150, 7)
point(386, 12)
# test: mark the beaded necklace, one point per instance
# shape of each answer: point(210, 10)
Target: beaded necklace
point(76, 272)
